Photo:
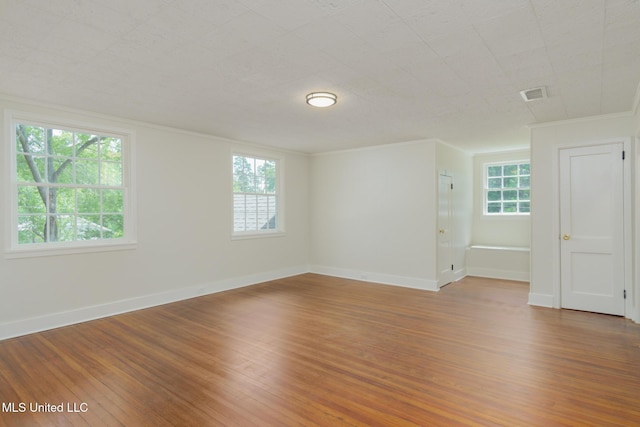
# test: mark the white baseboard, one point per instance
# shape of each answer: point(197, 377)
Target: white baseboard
point(385, 279)
point(57, 320)
point(541, 300)
point(492, 273)
point(460, 274)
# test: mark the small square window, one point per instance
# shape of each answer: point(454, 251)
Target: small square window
point(506, 188)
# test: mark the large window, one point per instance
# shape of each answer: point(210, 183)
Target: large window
point(256, 195)
point(507, 188)
point(69, 187)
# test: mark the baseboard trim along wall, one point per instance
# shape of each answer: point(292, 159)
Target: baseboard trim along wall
point(384, 279)
point(494, 273)
point(85, 314)
point(541, 300)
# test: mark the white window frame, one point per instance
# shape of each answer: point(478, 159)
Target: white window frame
point(486, 189)
point(15, 250)
point(279, 194)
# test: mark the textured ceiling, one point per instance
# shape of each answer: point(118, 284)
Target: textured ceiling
point(402, 69)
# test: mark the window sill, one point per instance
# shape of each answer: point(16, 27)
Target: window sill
point(42, 250)
point(265, 235)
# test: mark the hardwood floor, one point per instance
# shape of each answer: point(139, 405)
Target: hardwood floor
point(315, 350)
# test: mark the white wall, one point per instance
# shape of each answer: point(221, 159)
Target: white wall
point(373, 216)
point(504, 230)
point(459, 165)
point(374, 211)
point(184, 235)
point(545, 143)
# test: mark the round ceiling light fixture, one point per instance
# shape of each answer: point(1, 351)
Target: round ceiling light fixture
point(321, 99)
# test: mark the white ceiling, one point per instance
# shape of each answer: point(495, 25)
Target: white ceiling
point(402, 69)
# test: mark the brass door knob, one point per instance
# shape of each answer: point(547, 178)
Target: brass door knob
point(441, 231)
point(565, 237)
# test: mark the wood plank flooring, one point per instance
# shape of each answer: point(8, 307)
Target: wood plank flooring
point(313, 350)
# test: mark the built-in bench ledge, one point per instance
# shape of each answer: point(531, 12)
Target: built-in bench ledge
point(500, 248)
point(498, 262)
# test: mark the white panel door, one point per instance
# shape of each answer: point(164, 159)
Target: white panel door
point(445, 242)
point(592, 229)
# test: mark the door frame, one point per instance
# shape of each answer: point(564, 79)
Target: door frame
point(627, 217)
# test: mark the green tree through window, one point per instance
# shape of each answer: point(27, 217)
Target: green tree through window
point(70, 185)
point(507, 188)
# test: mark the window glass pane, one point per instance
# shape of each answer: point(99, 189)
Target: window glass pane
point(66, 227)
point(239, 212)
point(30, 139)
point(61, 142)
point(259, 184)
point(111, 149)
point(510, 207)
point(510, 195)
point(24, 163)
point(273, 212)
point(525, 181)
point(524, 169)
point(112, 226)
point(29, 199)
point(65, 199)
point(494, 171)
point(111, 174)
point(31, 228)
point(494, 195)
point(89, 227)
point(524, 207)
point(510, 170)
point(270, 176)
point(86, 146)
point(112, 201)
point(511, 182)
point(62, 172)
point(494, 207)
point(495, 182)
point(87, 172)
point(88, 200)
point(251, 213)
point(524, 194)
point(263, 212)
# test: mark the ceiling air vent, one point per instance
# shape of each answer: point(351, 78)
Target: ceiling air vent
point(534, 94)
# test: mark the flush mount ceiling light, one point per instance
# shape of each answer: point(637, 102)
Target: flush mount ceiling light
point(321, 99)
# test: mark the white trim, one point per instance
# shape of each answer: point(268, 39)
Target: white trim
point(42, 250)
point(541, 300)
point(581, 120)
point(385, 279)
point(501, 248)
point(494, 273)
point(460, 274)
point(85, 314)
